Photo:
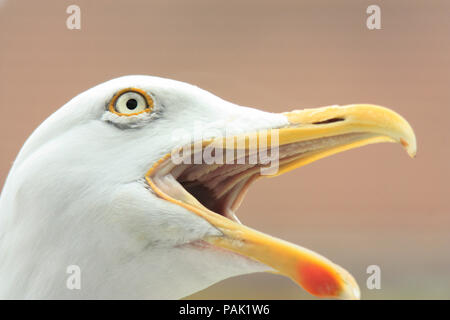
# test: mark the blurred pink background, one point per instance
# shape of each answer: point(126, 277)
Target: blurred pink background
point(367, 206)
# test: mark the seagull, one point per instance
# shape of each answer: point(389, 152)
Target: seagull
point(122, 183)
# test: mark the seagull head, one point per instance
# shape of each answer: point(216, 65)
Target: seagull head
point(136, 182)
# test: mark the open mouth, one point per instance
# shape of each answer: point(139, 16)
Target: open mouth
point(221, 187)
point(215, 191)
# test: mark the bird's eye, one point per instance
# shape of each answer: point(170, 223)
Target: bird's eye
point(130, 102)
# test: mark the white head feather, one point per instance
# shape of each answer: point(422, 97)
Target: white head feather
point(75, 196)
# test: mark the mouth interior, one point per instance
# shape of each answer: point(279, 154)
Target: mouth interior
point(222, 187)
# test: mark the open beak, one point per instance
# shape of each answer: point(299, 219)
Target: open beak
point(215, 191)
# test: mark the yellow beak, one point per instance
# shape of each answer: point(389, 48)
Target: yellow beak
point(356, 125)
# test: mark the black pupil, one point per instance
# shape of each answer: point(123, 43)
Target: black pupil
point(132, 104)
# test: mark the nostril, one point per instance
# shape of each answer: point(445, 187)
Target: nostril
point(329, 121)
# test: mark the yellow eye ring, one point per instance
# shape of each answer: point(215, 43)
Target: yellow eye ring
point(130, 102)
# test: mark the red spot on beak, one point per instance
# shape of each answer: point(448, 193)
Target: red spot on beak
point(318, 280)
